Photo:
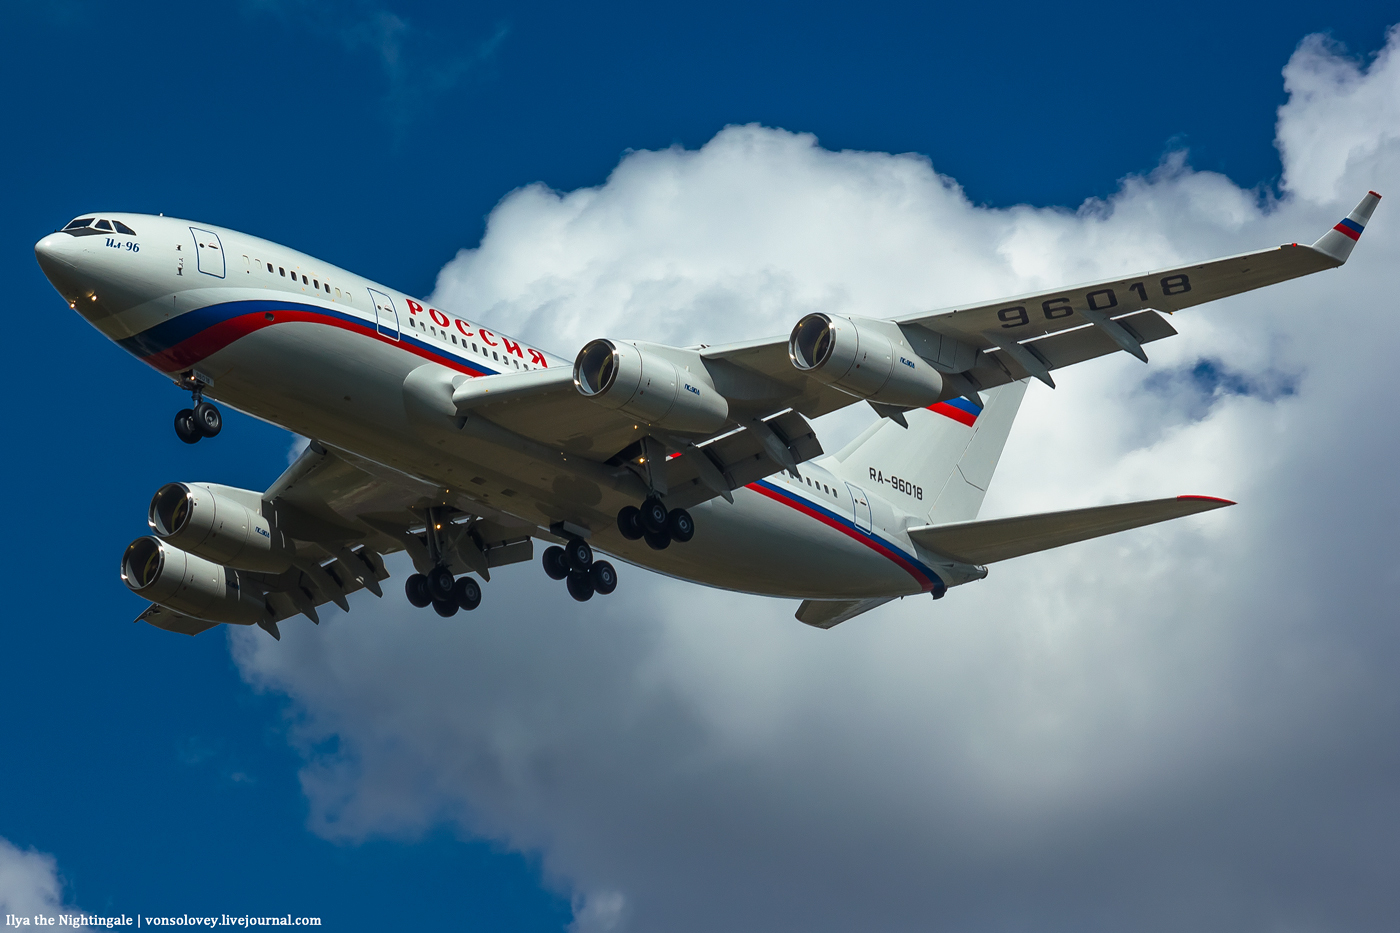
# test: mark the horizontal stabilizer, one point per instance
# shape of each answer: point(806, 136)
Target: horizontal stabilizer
point(985, 542)
point(825, 613)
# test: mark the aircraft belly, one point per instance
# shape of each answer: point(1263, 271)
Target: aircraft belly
point(347, 391)
point(758, 545)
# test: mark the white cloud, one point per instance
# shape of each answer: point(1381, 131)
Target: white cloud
point(1191, 726)
point(29, 883)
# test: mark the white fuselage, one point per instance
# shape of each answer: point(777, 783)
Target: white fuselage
point(325, 353)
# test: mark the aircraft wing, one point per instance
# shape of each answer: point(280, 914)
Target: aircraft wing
point(992, 343)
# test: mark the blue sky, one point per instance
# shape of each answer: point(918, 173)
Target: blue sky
point(380, 137)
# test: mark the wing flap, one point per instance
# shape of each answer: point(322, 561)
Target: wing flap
point(985, 542)
point(173, 621)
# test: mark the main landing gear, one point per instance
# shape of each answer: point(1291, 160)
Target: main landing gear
point(438, 589)
point(653, 523)
point(203, 420)
point(574, 564)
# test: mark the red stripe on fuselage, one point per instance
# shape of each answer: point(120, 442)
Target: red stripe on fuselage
point(792, 502)
point(218, 336)
point(1344, 230)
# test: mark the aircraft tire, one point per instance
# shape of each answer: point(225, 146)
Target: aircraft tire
point(553, 561)
point(445, 608)
point(440, 584)
point(416, 589)
point(467, 592)
point(578, 555)
point(185, 428)
point(629, 522)
point(603, 577)
point(658, 542)
point(680, 525)
point(207, 419)
point(653, 514)
point(580, 587)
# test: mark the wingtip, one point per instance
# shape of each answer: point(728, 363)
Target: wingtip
point(1374, 194)
point(1216, 499)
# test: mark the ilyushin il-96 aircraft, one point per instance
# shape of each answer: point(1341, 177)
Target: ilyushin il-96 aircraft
point(433, 434)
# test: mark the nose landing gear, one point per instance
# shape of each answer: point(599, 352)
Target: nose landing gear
point(654, 524)
point(203, 420)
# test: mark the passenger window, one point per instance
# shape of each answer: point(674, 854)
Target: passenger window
point(454, 338)
point(282, 271)
point(328, 288)
point(269, 267)
point(123, 228)
point(103, 225)
point(494, 356)
point(303, 280)
point(474, 349)
point(316, 285)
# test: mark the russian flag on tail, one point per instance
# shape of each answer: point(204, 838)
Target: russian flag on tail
point(1337, 242)
point(959, 409)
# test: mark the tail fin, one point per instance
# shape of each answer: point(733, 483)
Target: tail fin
point(943, 461)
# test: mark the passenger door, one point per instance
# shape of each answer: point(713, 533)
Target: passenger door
point(861, 504)
point(385, 315)
point(208, 252)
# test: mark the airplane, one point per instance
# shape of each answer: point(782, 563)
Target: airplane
point(433, 434)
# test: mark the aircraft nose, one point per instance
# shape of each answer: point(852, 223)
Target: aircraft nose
point(49, 250)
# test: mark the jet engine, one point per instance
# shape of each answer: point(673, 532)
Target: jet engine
point(189, 584)
point(660, 386)
point(207, 520)
point(866, 358)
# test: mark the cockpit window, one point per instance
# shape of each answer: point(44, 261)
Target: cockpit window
point(104, 225)
point(80, 222)
point(123, 228)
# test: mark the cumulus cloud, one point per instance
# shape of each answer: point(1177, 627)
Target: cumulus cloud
point(1189, 726)
point(29, 883)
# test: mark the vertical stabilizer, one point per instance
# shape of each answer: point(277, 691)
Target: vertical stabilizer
point(946, 456)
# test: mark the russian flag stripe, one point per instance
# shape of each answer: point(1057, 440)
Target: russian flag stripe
point(1349, 227)
point(959, 409)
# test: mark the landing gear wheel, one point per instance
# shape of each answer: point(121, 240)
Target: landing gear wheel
point(680, 525)
point(553, 561)
point(440, 584)
point(467, 592)
point(185, 428)
point(580, 587)
point(445, 608)
point(658, 542)
point(207, 419)
point(603, 577)
point(416, 589)
point(578, 555)
point(653, 515)
point(629, 522)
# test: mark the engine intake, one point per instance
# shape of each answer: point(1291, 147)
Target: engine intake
point(866, 358)
point(189, 584)
point(647, 382)
point(207, 520)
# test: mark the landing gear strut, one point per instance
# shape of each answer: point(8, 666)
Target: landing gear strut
point(203, 420)
point(652, 522)
point(574, 564)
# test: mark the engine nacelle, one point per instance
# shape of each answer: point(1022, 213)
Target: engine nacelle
point(661, 386)
point(189, 584)
point(207, 520)
point(866, 358)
